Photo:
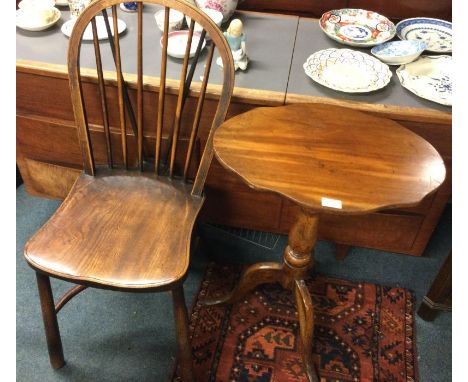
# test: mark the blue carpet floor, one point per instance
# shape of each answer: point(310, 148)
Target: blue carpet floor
point(114, 336)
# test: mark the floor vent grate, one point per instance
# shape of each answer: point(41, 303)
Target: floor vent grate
point(266, 240)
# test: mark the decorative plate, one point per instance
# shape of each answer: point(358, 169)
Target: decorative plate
point(347, 70)
point(437, 34)
point(357, 27)
point(399, 52)
point(177, 41)
point(22, 22)
point(100, 25)
point(429, 77)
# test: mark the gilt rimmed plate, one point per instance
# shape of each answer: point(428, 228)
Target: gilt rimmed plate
point(100, 25)
point(177, 42)
point(437, 34)
point(429, 77)
point(357, 27)
point(347, 70)
point(22, 21)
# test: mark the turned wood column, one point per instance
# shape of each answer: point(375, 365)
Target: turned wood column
point(298, 255)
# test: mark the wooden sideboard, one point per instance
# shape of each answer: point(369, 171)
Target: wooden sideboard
point(49, 158)
point(396, 9)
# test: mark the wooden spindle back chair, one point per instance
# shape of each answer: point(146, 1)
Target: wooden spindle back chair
point(127, 226)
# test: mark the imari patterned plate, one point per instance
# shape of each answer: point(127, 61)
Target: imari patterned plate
point(429, 77)
point(437, 34)
point(347, 70)
point(357, 27)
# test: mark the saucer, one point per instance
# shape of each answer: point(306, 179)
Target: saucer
point(177, 41)
point(20, 22)
point(100, 25)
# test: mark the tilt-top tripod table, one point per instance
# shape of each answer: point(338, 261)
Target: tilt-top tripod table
point(326, 159)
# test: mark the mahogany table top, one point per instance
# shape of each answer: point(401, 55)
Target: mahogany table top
point(329, 158)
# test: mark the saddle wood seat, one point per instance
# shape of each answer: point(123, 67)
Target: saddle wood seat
point(125, 231)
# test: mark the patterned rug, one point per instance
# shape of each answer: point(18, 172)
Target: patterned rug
point(363, 332)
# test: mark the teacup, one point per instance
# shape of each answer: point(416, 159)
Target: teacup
point(176, 19)
point(213, 14)
point(37, 12)
point(130, 6)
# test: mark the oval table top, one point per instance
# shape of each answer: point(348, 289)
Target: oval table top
point(329, 158)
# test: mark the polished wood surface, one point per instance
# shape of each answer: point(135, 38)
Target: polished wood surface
point(49, 316)
point(397, 10)
point(143, 221)
point(126, 225)
point(323, 159)
point(311, 152)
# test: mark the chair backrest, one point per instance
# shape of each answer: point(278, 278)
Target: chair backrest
point(164, 162)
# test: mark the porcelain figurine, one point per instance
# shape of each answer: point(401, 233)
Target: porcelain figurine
point(236, 40)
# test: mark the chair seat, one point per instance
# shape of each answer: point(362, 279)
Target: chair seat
point(125, 231)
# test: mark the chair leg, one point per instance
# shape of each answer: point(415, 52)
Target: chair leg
point(54, 342)
point(183, 343)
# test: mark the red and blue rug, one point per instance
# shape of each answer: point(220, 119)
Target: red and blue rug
point(363, 332)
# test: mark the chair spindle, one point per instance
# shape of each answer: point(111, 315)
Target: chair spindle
point(118, 64)
point(196, 121)
point(178, 112)
point(102, 93)
point(162, 91)
point(140, 84)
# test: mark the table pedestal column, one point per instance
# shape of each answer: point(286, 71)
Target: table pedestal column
point(297, 261)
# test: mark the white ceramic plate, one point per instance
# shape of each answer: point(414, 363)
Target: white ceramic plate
point(100, 25)
point(347, 70)
point(437, 34)
point(357, 27)
point(177, 41)
point(21, 21)
point(429, 77)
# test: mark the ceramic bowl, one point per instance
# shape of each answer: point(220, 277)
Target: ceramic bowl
point(176, 20)
point(399, 52)
point(177, 42)
point(214, 15)
point(437, 34)
point(37, 13)
point(36, 22)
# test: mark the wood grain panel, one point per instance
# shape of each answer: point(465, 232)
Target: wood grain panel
point(311, 8)
point(402, 9)
point(50, 180)
point(397, 10)
point(386, 231)
point(230, 201)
